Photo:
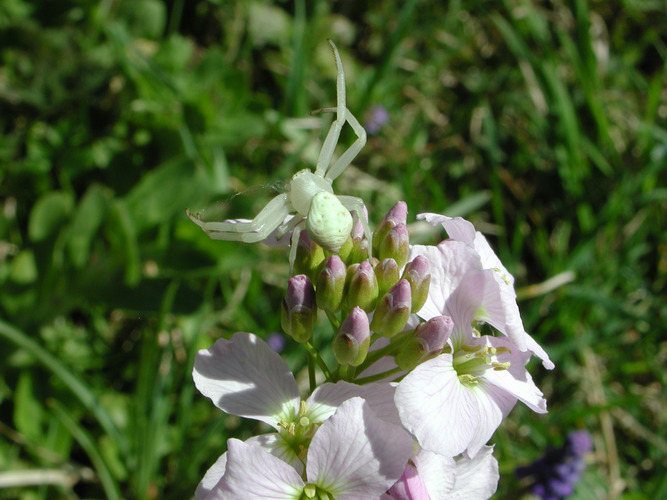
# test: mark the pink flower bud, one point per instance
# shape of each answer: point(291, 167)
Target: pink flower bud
point(418, 275)
point(331, 284)
point(299, 311)
point(387, 273)
point(393, 310)
point(363, 288)
point(427, 341)
point(397, 215)
point(309, 255)
point(353, 339)
point(395, 245)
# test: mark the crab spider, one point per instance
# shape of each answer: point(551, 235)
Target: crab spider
point(309, 195)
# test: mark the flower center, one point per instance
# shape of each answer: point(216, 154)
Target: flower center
point(470, 362)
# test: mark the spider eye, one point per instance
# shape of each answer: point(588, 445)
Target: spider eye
point(329, 223)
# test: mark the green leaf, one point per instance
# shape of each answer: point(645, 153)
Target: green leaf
point(163, 193)
point(23, 268)
point(28, 412)
point(86, 221)
point(48, 215)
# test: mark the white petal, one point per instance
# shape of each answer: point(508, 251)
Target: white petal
point(326, 399)
point(494, 405)
point(476, 479)
point(489, 258)
point(275, 444)
point(254, 474)
point(463, 304)
point(244, 377)
point(448, 263)
point(211, 478)
point(501, 310)
point(437, 472)
point(536, 349)
point(457, 227)
point(436, 408)
point(355, 455)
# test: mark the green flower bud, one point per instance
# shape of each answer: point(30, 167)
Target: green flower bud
point(397, 215)
point(387, 274)
point(299, 311)
point(362, 289)
point(393, 310)
point(418, 275)
point(395, 245)
point(309, 256)
point(331, 284)
point(426, 342)
point(350, 345)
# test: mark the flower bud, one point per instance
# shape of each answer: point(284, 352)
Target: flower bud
point(309, 255)
point(299, 311)
point(331, 284)
point(395, 245)
point(426, 342)
point(362, 288)
point(397, 215)
point(359, 250)
point(387, 274)
point(418, 275)
point(351, 344)
point(393, 310)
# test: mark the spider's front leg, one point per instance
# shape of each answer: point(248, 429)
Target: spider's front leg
point(343, 114)
point(258, 229)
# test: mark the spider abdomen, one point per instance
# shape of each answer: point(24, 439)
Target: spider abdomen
point(329, 223)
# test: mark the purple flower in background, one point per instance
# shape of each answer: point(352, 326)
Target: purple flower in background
point(276, 341)
point(375, 119)
point(556, 473)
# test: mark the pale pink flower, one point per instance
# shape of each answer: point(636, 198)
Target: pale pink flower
point(455, 402)
point(354, 455)
point(499, 306)
point(429, 476)
point(243, 376)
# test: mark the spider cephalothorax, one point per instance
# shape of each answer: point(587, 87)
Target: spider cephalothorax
point(309, 197)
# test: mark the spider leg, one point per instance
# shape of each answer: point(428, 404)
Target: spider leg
point(356, 205)
point(326, 153)
point(268, 219)
point(350, 153)
point(294, 244)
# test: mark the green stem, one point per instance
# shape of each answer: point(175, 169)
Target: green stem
point(311, 372)
point(323, 366)
point(373, 356)
point(335, 322)
point(379, 376)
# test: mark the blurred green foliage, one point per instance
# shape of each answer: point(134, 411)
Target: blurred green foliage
point(543, 122)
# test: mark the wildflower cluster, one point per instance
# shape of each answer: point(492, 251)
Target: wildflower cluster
point(418, 389)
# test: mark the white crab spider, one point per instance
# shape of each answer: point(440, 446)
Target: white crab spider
point(309, 195)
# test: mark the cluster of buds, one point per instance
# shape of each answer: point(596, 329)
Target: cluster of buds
point(365, 298)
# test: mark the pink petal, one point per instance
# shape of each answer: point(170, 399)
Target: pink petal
point(436, 408)
point(355, 455)
point(244, 377)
